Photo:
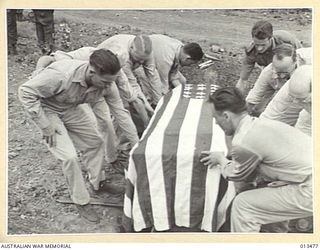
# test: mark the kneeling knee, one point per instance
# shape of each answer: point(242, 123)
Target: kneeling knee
point(239, 203)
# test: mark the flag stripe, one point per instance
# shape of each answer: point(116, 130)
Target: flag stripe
point(134, 211)
point(139, 221)
point(171, 186)
point(223, 185)
point(213, 180)
point(185, 155)
point(211, 194)
point(199, 173)
point(138, 155)
point(169, 155)
point(153, 153)
point(225, 203)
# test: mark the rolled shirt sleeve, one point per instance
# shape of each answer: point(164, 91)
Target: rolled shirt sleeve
point(41, 86)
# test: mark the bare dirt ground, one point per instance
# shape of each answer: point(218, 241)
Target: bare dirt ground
point(35, 179)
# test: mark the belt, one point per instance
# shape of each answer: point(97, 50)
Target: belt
point(283, 183)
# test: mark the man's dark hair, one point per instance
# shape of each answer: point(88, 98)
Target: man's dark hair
point(262, 30)
point(194, 51)
point(228, 98)
point(105, 62)
point(285, 50)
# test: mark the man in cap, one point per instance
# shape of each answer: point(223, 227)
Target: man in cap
point(115, 104)
point(169, 55)
point(52, 100)
point(292, 104)
point(136, 51)
point(285, 60)
point(264, 40)
point(288, 165)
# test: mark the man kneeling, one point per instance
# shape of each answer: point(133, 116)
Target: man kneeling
point(272, 149)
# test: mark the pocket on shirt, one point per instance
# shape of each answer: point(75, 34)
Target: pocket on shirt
point(65, 97)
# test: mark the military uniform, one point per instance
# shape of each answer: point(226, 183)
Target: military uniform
point(45, 30)
point(114, 106)
point(52, 98)
point(252, 56)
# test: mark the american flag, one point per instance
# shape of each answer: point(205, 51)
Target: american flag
point(166, 184)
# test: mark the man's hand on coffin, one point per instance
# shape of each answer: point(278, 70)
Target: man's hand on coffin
point(211, 159)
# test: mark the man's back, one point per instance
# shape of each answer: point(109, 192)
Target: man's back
point(122, 40)
point(284, 152)
point(282, 108)
point(164, 48)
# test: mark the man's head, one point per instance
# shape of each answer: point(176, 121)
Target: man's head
point(300, 89)
point(190, 53)
point(229, 106)
point(262, 32)
point(140, 48)
point(284, 60)
point(103, 68)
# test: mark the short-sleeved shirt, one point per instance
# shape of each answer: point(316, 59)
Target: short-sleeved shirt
point(263, 59)
point(274, 149)
point(166, 55)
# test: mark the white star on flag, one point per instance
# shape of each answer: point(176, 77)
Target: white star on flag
point(214, 86)
point(201, 88)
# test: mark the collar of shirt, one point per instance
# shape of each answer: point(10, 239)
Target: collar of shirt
point(246, 119)
point(80, 77)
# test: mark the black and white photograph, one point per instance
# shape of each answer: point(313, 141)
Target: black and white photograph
point(159, 121)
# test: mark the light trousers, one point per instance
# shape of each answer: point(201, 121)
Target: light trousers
point(77, 131)
point(251, 209)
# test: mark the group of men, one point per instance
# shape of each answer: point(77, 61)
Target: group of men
point(93, 100)
point(107, 81)
point(270, 157)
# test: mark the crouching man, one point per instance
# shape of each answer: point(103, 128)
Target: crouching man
point(281, 153)
point(52, 100)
